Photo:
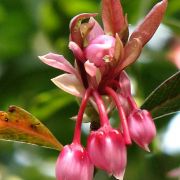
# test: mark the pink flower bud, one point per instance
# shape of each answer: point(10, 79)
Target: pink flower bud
point(100, 50)
point(74, 163)
point(142, 128)
point(107, 150)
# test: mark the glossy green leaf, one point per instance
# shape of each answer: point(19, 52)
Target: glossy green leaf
point(165, 99)
point(19, 125)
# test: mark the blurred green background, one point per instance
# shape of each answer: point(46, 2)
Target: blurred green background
point(29, 28)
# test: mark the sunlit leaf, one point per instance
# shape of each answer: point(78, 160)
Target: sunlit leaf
point(165, 99)
point(19, 125)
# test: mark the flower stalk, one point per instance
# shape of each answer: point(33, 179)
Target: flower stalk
point(77, 132)
point(122, 114)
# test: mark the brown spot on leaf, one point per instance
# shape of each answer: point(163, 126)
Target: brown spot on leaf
point(12, 109)
point(34, 126)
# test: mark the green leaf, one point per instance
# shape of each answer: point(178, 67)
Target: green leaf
point(165, 99)
point(45, 104)
point(19, 125)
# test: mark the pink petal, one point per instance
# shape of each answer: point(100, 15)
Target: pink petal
point(74, 164)
point(107, 150)
point(90, 68)
point(78, 53)
point(141, 127)
point(96, 31)
point(75, 27)
point(112, 16)
point(70, 84)
point(58, 61)
point(147, 28)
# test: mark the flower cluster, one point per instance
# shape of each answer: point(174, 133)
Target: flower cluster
point(99, 77)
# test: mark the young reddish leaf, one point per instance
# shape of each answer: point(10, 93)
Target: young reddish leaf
point(118, 49)
point(124, 34)
point(112, 16)
point(70, 84)
point(151, 22)
point(19, 125)
point(132, 52)
point(75, 33)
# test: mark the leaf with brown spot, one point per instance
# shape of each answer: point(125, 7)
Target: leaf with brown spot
point(19, 125)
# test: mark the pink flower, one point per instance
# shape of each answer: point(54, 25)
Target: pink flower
point(100, 50)
point(101, 55)
point(107, 151)
point(74, 163)
point(142, 128)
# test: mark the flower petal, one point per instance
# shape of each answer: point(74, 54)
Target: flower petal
point(90, 68)
point(58, 61)
point(112, 16)
point(149, 25)
point(76, 157)
point(75, 27)
point(78, 53)
point(70, 84)
point(96, 31)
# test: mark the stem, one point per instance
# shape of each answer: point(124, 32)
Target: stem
point(101, 108)
point(77, 132)
point(121, 113)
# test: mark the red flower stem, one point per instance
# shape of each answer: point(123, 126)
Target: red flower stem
point(122, 114)
point(77, 132)
point(101, 108)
